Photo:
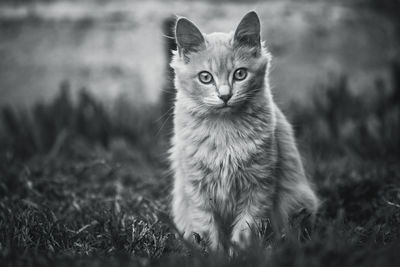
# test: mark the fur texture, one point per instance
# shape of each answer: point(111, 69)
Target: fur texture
point(235, 164)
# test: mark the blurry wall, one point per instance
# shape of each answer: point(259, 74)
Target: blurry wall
point(115, 48)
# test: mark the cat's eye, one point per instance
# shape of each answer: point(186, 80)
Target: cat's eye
point(205, 77)
point(240, 74)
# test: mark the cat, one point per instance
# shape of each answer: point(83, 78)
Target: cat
point(233, 154)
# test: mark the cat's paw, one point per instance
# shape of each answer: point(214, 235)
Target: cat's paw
point(192, 237)
point(302, 223)
point(196, 240)
point(241, 237)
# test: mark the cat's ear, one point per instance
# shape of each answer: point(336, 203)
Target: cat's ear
point(248, 31)
point(188, 36)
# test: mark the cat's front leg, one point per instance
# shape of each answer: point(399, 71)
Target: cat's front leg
point(204, 230)
point(198, 226)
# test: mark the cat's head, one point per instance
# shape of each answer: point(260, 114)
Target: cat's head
point(220, 72)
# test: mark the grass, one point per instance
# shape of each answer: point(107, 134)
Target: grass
point(87, 185)
point(98, 210)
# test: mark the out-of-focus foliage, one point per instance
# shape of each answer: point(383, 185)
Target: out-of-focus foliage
point(50, 127)
point(340, 122)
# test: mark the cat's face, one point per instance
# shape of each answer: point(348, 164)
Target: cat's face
point(220, 72)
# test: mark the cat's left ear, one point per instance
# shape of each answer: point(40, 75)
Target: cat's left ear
point(248, 31)
point(188, 36)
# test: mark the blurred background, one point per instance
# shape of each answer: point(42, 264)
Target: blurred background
point(116, 47)
point(118, 50)
point(86, 106)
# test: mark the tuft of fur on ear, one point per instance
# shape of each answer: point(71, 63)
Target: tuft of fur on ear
point(248, 31)
point(188, 36)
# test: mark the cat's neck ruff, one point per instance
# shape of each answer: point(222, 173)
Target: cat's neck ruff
point(252, 125)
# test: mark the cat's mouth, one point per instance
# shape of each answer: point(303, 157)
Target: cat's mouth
point(225, 107)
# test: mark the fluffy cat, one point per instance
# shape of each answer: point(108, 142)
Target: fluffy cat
point(233, 154)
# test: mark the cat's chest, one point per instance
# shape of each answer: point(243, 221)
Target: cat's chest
point(215, 147)
point(223, 163)
point(221, 153)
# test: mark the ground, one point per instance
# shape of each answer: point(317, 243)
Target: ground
point(107, 208)
point(80, 187)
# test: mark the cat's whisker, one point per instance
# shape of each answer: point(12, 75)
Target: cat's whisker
point(213, 103)
point(167, 91)
point(165, 114)
point(169, 37)
point(244, 97)
point(165, 122)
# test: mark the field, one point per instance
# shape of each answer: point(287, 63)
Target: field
point(86, 182)
point(80, 186)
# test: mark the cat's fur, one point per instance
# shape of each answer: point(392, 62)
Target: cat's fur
point(233, 166)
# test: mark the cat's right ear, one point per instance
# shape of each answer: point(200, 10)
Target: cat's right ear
point(248, 31)
point(188, 37)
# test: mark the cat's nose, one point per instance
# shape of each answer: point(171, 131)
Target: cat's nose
point(225, 97)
